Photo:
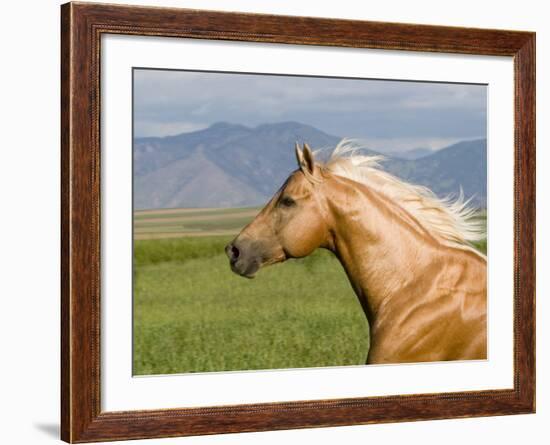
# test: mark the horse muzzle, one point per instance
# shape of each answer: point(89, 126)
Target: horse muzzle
point(243, 259)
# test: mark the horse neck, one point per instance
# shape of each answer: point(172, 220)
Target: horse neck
point(381, 246)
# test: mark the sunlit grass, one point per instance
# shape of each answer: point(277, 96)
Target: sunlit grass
point(192, 314)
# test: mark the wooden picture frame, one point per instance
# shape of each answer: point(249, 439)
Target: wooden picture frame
point(82, 26)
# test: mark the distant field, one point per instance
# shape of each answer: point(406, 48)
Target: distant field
point(192, 314)
point(171, 223)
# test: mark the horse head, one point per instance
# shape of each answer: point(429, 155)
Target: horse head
point(291, 225)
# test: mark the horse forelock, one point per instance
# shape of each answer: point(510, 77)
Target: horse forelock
point(451, 220)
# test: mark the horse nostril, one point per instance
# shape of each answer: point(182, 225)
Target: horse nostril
point(232, 252)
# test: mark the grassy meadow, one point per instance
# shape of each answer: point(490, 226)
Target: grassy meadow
point(192, 314)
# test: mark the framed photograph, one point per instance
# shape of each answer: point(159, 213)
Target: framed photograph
point(274, 222)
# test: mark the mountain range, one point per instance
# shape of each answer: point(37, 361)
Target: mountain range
point(230, 165)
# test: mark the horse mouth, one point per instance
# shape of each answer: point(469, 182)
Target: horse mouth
point(245, 269)
point(248, 269)
point(246, 259)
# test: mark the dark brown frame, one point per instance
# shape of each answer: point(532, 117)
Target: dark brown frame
point(82, 25)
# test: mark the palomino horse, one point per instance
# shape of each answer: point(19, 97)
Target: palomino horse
point(406, 253)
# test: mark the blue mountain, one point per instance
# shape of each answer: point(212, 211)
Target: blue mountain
point(230, 165)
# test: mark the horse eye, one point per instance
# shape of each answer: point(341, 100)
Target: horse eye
point(287, 201)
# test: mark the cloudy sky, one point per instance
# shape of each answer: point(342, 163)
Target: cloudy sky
point(386, 115)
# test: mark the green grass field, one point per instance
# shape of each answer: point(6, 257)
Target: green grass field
point(192, 314)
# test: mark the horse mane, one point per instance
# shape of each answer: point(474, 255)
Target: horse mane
point(451, 221)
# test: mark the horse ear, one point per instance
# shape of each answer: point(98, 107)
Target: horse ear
point(299, 155)
point(308, 161)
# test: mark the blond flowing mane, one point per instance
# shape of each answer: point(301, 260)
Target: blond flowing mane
point(451, 221)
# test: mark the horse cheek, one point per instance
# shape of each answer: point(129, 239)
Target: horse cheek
point(301, 243)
